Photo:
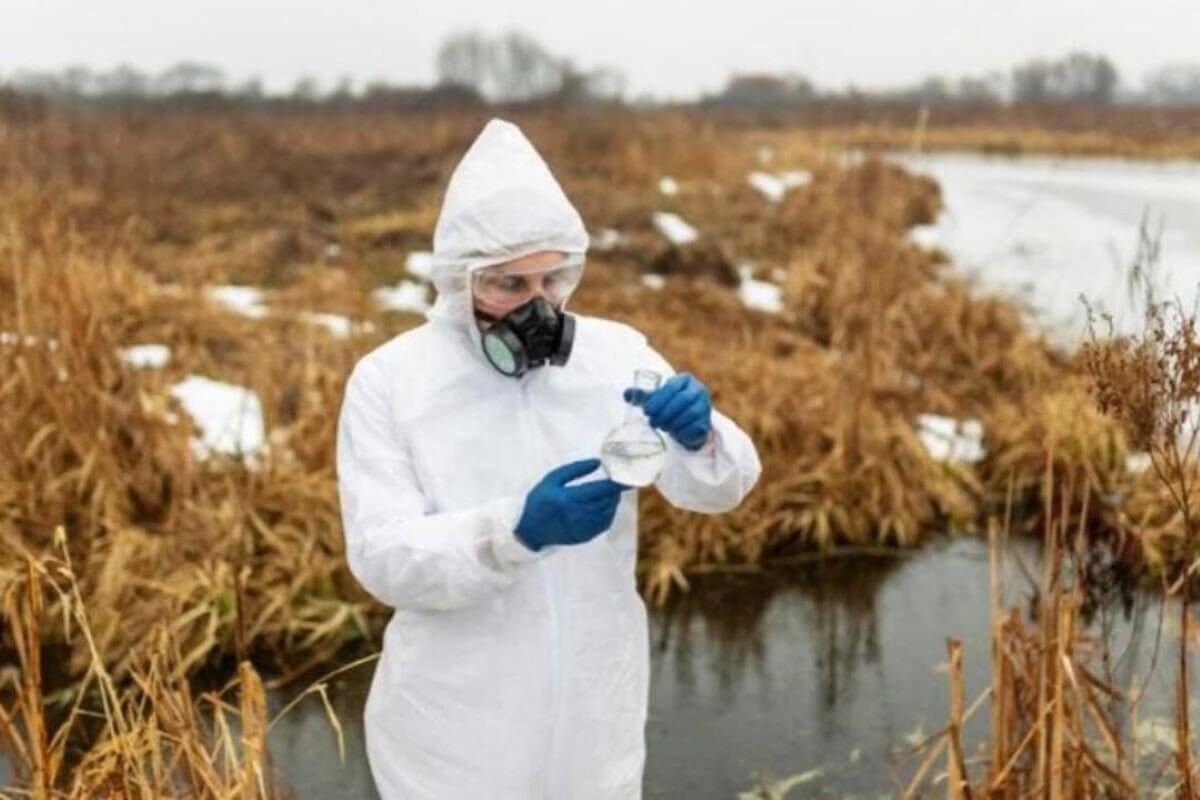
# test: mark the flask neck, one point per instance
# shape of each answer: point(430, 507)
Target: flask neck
point(645, 382)
point(634, 412)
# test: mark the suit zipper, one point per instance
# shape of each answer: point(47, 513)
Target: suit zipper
point(553, 757)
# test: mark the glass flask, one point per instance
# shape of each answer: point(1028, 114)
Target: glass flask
point(633, 453)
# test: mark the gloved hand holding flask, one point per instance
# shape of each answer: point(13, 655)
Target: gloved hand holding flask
point(682, 407)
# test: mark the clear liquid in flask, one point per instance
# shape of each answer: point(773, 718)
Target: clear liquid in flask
point(634, 453)
point(633, 462)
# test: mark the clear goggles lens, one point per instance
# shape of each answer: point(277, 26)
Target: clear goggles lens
point(503, 287)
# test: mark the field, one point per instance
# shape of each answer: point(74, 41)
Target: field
point(134, 561)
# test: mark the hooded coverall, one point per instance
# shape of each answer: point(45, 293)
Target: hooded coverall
point(506, 674)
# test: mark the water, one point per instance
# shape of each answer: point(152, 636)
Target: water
point(633, 462)
point(835, 667)
point(1048, 229)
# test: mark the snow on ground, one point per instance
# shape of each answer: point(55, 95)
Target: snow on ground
point(674, 228)
point(795, 177)
point(230, 417)
point(12, 338)
point(773, 186)
point(404, 296)
point(951, 440)
point(420, 264)
point(768, 185)
point(759, 295)
point(668, 186)
point(606, 239)
point(147, 356)
point(337, 325)
point(1138, 462)
point(249, 301)
point(244, 300)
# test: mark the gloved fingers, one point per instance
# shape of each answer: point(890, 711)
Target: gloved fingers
point(693, 436)
point(697, 413)
point(593, 490)
point(636, 396)
point(665, 394)
point(603, 515)
point(600, 506)
point(603, 508)
point(686, 402)
point(594, 519)
point(572, 470)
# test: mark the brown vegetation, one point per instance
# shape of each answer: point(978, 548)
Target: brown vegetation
point(110, 229)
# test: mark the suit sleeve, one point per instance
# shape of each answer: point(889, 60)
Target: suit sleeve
point(401, 553)
point(718, 476)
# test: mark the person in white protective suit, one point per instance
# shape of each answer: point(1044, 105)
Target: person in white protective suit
point(516, 663)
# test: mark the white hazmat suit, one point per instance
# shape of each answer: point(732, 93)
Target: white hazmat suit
point(506, 674)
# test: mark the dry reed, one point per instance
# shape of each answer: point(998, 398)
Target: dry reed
point(111, 228)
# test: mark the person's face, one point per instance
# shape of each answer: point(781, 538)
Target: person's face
point(499, 289)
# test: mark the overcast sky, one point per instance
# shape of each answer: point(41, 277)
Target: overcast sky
point(672, 49)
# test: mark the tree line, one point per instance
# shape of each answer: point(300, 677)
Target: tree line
point(474, 68)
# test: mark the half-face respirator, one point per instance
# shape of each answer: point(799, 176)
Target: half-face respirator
point(535, 332)
point(531, 335)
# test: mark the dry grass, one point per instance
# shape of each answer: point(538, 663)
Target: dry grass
point(148, 738)
point(1061, 725)
point(110, 229)
point(1033, 129)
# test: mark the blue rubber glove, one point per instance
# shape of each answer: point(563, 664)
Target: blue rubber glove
point(682, 407)
point(556, 513)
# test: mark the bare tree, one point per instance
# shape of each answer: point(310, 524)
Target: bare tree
point(305, 89)
point(123, 83)
point(1175, 84)
point(523, 69)
point(606, 84)
point(766, 89)
point(189, 76)
point(988, 89)
point(79, 80)
point(40, 82)
point(1077, 77)
point(513, 67)
point(250, 90)
point(1084, 77)
point(1031, 81)
point(462, 60)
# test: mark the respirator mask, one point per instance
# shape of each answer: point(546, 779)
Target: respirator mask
point(535, 332)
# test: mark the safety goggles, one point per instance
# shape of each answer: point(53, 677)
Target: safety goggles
point(500, 285)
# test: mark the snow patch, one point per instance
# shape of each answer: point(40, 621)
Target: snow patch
point(244, 300)
point(230, 417)
point(951, 440)
point(404, 296)
point(674, 228)
point(147, 356)
point(606, 239)
point(420, 263)
point(759, 295)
